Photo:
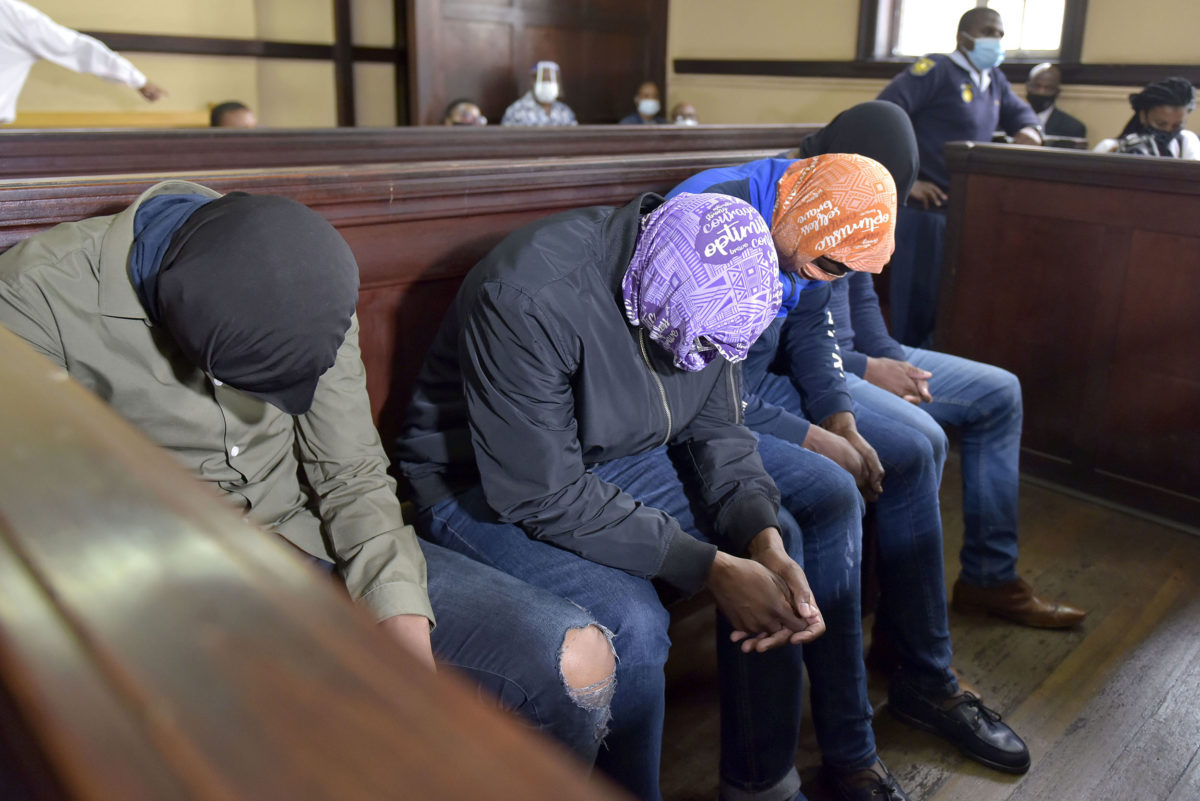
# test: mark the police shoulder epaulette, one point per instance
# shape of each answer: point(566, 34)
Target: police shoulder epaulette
point(922, 66)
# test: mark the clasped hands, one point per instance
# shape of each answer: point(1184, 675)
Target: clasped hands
point(765, 595)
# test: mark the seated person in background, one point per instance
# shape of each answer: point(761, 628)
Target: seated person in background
point(225, 329)
point(649, 107)
point(577, 424)
point(232, 114)
point(1156, 128)
point(957, 97)
point(1041, 91)
point(684, 114)
point(27, 36)
point(463, 112)
point(828, 219)
point(540, 106)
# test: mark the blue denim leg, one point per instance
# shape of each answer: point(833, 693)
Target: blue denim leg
point(985, 403)
point(760, 693)
point(912, 605)
point(507, 637)
point(626, 605)
point(828, 508)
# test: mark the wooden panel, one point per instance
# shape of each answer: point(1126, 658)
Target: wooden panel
point(154, 646)
point(39, 154)
point(605, 48)
point(1078, 272)
point(492, 84)
point(1153, 388)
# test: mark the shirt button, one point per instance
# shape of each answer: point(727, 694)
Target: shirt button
point(235, 450)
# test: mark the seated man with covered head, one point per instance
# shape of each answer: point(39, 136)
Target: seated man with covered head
point(224, 327)
point(834, 215)
point(578, 424)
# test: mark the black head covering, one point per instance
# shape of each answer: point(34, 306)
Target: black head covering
point(1167, 92)
point(876, 129)
point(258, 291)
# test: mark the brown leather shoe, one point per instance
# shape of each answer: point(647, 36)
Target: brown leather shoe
point(1015, 601)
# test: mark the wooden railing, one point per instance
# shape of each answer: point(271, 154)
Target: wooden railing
point(39, 154)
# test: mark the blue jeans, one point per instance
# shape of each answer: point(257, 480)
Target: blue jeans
point(984, 403)
point(507, 637)
point(760, 693)
point(912, 605)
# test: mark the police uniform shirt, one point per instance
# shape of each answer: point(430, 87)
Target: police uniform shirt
point(949, 102)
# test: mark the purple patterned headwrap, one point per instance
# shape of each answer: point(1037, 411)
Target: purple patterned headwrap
point(704, 278)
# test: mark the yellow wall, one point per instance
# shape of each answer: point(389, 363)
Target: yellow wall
point(1145, 32)
point(283, 93)
point(1160, 31)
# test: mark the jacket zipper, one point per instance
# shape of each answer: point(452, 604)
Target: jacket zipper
point(662, 392)
point(738, 406)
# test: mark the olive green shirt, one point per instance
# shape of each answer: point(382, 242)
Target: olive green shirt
point(67, 292)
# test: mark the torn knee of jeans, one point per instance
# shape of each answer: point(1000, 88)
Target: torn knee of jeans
point(588, 666)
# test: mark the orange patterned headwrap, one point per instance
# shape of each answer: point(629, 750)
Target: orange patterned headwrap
point(838, 205)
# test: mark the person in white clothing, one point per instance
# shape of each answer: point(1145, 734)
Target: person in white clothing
point(1156, 129)
point(28, 36)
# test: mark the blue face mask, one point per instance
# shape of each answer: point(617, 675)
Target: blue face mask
point(988, 53)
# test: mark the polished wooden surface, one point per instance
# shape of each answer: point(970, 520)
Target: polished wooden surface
point(1080, 272)
point(42, 154)
point(154, 646)
point(483, 51)
point(415, 229)
point(1109, 711)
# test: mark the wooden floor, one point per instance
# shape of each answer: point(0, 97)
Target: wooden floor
point(1110, 711)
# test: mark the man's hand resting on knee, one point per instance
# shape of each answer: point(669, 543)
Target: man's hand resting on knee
point(899, 378)
point(765, 596)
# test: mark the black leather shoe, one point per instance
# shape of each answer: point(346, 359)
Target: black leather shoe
point(875, 783)
point(976, 730)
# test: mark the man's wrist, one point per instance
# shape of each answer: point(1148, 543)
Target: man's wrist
point(840, 423)
point(765, 540)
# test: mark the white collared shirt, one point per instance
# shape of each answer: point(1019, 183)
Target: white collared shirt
point(28, 36)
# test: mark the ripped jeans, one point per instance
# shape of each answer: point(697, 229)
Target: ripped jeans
point(760, 693)
point(507, 637)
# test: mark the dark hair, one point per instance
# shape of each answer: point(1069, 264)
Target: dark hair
point(1167, 92)
point(972, 15)
point(221, 109)
point(455, 103)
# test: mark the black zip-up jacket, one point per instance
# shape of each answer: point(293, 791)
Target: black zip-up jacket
point(536, 375)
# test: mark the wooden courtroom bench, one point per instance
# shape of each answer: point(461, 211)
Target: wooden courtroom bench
point(1080, 272)
point(153, 646)
point(39, 154)
point(415, 229)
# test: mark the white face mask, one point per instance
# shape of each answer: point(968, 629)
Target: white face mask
point(545, 91)
point(648, 107)
point(685, 121)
